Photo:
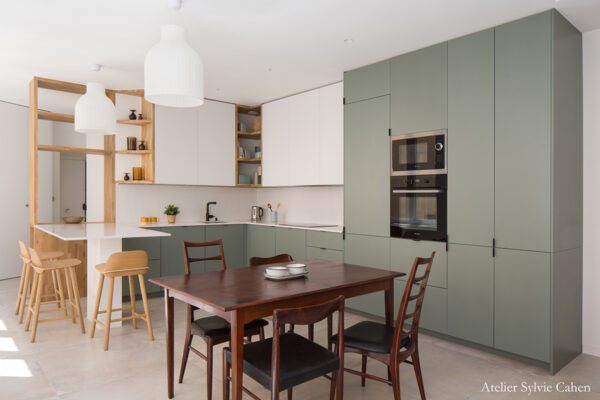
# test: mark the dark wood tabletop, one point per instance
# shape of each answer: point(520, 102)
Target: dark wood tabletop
point(243, 294)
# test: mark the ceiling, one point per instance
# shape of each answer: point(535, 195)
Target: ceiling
point(253, 51)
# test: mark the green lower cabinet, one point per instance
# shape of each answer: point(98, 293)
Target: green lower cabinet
point(368, 251)
point(522, 303)
point(150, 245)
point(153, 272)
point(260, 241)
point(325, 240)
point(324, 254)
point(291, 241)
point(234, 240)
point(404, 251)
point(434, 314)
point(471, 293)
point(171, 249)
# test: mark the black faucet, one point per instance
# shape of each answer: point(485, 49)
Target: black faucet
point(208, 214)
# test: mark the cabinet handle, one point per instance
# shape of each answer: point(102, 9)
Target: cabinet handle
point(494, 247)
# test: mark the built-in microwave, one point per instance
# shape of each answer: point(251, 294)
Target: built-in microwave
point(422, 153)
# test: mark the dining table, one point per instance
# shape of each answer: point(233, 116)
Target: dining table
point(243, 294)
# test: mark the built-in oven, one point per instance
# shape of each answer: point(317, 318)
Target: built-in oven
point(422, 153)
point(419, 207)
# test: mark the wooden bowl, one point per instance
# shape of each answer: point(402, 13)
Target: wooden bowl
point(73, 220)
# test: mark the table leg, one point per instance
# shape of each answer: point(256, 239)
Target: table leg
point(389, 304)
point(170, 342)
point(237, 354)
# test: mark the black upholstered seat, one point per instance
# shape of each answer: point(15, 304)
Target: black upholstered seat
point(370, 336)
point(215, 326)
point(300, 360)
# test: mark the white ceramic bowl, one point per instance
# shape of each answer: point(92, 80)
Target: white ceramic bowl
point(277, 270)
point(296, 268)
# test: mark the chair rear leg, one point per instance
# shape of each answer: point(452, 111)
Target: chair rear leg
point(261, 333)
point(395, 371)
point(38, 300)
point(26, 289)
point(70, 294)
point(289, 393)
point(34, 290)
point(417, 367)
point(364, 370)
point(209, 368)
point(21, 287)
point(146, 307)
point(132, 300)
point(76, 296)
point(311, 332)
point(225, 375)
point(111, 286)
point(332, 386)
point(96, 305)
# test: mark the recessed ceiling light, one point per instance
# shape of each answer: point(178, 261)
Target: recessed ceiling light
point(349, 40)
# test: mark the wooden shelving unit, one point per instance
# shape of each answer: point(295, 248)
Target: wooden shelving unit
point(137, 122)
point(248, 139)
point(132, 182)
point(134, 152)
point(58, 117)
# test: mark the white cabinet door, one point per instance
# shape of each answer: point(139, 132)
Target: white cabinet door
point(216, 144)
point(304, 139)
point(331, 135)
point(275, 134)
point(176, 141)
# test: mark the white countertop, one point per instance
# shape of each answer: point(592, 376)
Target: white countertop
point(86, 231)
point(164, 224)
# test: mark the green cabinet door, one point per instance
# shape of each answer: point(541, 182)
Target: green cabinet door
point(404, 251)
point(523, 132)
point(151, 288)
point(367, 251)
point(260, 241)
point(171, 249)
point(367, 167)
point(150, 245)
point(434, 311)
point(234, 246)
point(418, 90)
point(326, 240)
point(522, 303)
point(367, 82)
point(324, 254)
point(291, 241)
point(471, 139)
point(471, 293)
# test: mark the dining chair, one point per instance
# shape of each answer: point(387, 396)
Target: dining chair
point(51, 270)
point(281, 258)
point(25, 284)
point(122, 264)
point(393, 345)
point(288, 359)
point(213, 330)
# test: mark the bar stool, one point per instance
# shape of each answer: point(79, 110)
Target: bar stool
point(127, 263)
point(25, 284)
point(52, 269)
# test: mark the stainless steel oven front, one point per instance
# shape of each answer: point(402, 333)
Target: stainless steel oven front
point(422, 153)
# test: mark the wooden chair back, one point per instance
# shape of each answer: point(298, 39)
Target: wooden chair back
point(408, 299)
point(304, 316)
point(35, 258)
point(24, 253)
point(188, 260)
point(126, 261)
point(280, 258)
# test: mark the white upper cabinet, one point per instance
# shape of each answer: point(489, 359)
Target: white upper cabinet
point(176, 142)
point(303, 148)
point(331, 135)
point(303, 139)
point(216, 144)
point(275, 134)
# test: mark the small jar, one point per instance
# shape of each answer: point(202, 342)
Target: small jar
point(126, 177)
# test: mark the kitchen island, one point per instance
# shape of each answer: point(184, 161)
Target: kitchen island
point(103, 239)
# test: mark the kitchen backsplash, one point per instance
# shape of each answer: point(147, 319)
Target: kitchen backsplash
point(322, 204)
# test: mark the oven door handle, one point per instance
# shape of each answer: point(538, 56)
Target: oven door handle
point(417, 191)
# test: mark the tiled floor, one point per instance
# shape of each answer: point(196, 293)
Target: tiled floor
point(64, 364)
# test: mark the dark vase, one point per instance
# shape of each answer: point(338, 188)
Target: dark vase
point(126, 177)
point(142, 146)
point(140, 116)
point(132, 115)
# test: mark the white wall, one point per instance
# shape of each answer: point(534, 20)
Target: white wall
point(591, 192)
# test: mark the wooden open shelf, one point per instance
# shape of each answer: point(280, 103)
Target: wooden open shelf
point(132, 182)
point(137, 122)
point(65, 149)
point(250, 160)
point(134, 152)
point(249, 135)
point(58, 117)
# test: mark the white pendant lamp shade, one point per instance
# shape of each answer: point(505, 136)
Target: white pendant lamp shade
point(173, 71)
point(94, 112)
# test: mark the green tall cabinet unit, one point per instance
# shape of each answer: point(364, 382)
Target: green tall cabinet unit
point(367, 82)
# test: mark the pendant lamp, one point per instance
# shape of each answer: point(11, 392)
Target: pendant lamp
point(173, 71)
point(94, 112)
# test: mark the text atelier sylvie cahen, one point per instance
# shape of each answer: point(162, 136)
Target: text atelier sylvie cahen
point(529, 388)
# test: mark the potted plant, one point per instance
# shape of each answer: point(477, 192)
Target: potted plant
point(171, 211)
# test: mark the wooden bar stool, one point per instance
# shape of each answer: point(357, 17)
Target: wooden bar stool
point(127, 263)
point(26, 281)
point(51, 269)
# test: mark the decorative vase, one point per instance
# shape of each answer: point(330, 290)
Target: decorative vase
point(171, 218)
point(126, 177)
point(142, 146)
point(140, 116)
point(132, 115)
point(138, 174)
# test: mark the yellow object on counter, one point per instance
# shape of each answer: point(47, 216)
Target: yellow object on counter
point(144, 220)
